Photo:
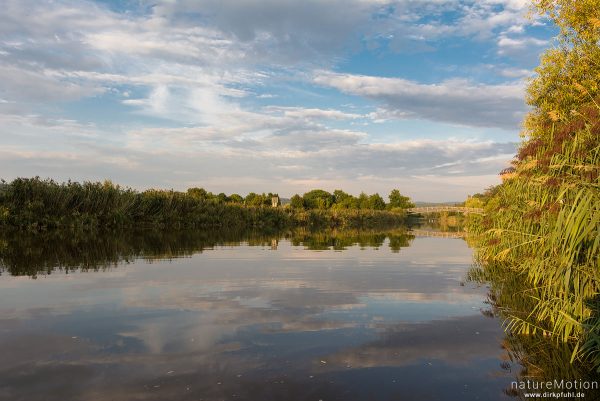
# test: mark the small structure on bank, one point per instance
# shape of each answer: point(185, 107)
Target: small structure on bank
point(275, 201)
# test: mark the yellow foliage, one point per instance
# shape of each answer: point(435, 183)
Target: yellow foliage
point(509, 176)
point(529, 165)
point(553, 114)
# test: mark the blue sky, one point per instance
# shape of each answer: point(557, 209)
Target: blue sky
point(267, 95)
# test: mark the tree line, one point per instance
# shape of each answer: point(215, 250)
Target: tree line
point(252, 199)
point(34, 203)
point(315, 199)
point(339, 200)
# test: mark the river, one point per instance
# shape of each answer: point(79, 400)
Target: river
point(192, 316)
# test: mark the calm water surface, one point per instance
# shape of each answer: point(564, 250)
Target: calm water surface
point(310, 318)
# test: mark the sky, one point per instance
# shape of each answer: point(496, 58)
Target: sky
point(284, 96)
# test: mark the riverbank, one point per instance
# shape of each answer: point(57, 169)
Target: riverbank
point(34, 204)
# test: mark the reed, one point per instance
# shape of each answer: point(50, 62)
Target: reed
point(542, 224)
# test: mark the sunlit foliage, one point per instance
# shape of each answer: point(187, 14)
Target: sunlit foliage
point(543, 222)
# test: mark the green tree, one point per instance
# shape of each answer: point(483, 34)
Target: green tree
point(254, 199)
point(343, 200)
point(363, 201)
point(222, 198)
point(296, 202)
point(397, 200)
point(376, 202)
point(235, 198)
point(198, 193)
point(318, 199)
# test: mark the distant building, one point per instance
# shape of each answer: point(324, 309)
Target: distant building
point(275, 201)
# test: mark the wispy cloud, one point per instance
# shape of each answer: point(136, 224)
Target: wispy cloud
point(455, 101)
point(261, 92)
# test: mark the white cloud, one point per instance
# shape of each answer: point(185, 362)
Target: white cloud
point(455, 101)
point(427, 170)
point(312, 113)
point(515, 72)
point(292, 128)
point(514, 46)
point(282, 31)
point(37, 85)
point(66, 54)
point(281, 159)
point(420, 23)
point(197, 64)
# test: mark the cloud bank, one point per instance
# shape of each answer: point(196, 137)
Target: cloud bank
point(265, 95)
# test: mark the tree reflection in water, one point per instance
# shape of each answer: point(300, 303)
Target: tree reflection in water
point(32, 254)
